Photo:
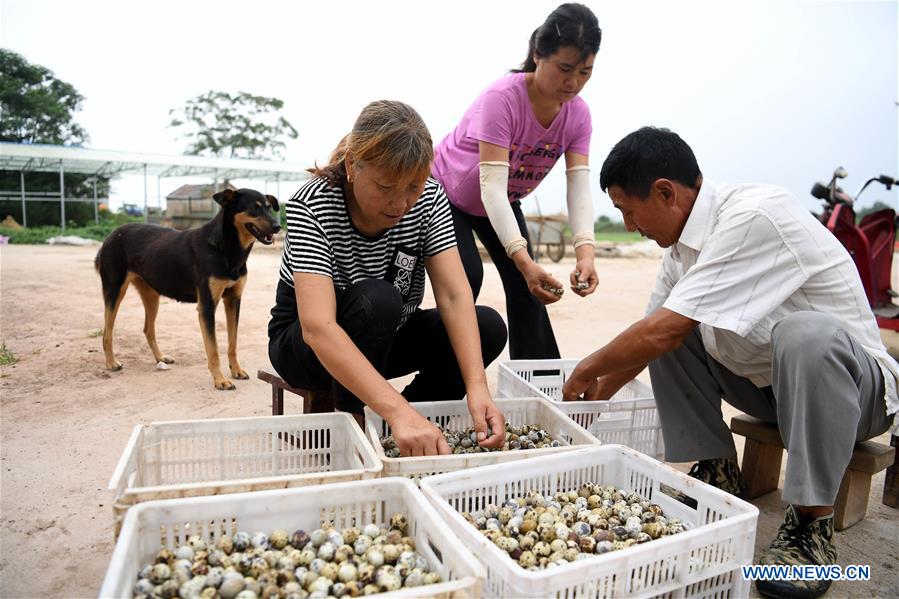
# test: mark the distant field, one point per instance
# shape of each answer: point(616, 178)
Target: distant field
point(618, 236)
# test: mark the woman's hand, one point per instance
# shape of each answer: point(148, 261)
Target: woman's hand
point(489, 422)
point(584, 273)
point(416, 436)
point(539, 281)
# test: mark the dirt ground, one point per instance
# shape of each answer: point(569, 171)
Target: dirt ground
point(64, 420)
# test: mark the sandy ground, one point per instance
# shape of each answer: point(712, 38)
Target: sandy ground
point(65, 419)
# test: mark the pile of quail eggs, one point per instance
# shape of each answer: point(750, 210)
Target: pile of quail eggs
point(581, 285)
point(528, 436)
point(542, 532)
point(322, 563)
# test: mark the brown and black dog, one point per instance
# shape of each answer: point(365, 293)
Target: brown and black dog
point(199, 266)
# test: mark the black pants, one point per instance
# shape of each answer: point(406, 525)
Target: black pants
point(530, 332)
point(369, 312)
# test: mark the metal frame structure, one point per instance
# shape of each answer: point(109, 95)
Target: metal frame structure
point(102, 163)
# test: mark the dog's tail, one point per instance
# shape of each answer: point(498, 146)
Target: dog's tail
point(107, 251)
point(102, 255)
point(110, 255)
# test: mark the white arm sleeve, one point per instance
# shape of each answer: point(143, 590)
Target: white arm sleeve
point(495, 196)
point(580, 206)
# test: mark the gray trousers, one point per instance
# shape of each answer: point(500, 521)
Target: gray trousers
point(827, 393)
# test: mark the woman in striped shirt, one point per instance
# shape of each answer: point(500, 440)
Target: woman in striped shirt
point(360, 236)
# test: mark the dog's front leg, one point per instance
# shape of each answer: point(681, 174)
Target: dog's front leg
point(207, 300)
point(231, 299)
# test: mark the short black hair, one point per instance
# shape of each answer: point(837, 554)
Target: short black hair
point(647, 154)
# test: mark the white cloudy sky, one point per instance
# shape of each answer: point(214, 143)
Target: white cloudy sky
point(778, 92)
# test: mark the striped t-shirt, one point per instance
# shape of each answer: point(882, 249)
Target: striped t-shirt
point(321, 239)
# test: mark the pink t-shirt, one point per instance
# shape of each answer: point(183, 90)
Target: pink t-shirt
point(502, 115)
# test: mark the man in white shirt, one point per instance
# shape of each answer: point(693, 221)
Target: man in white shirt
point(758, 304)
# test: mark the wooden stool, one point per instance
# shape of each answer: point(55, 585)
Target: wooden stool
point(763, 454)
point(313, 402)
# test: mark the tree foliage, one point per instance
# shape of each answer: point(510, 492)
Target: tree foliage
point(38, 108)
point(242, 125)
point(604, 224)
point(35, 106)
point(863, 212)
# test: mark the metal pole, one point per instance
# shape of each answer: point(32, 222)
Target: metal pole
point(96, 210)
point(159, 194)
point(146, 215)
point(215, 183)
point(278, 185)
point(62, 196)
point(24, 216)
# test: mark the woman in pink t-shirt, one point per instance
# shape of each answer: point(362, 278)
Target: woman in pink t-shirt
point(506, 143)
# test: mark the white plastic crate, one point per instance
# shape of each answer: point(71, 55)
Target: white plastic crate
point(455, 415)
point(629, 418)
point(165, 460)
point(154, 525)
point(703, 561)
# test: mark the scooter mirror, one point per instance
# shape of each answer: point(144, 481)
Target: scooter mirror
point(840, 173)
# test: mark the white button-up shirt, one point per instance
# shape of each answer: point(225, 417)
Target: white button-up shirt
point(748, 257)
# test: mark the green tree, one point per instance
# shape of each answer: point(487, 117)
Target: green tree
point(604, 224)
point(235, 126)
point(38, 108)
point(860, 214)
point(35, 106)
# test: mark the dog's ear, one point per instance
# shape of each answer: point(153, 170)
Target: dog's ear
point(273, 201)
point(225, 198)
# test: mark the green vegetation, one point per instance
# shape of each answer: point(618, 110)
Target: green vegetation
point(608, 230)
point(6, 356)
point(605, 229)
point(242, 125)
point(40, 235)
point(99, 232)
point(618, 236)
point(861, 213)
point(38, 108)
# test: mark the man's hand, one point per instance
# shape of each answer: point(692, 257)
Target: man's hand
point(604, 387)
point(489, 422)
point(576, 386)
point(584, 279)
point(416, 436)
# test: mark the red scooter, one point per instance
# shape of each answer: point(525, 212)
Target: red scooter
point(871, 242)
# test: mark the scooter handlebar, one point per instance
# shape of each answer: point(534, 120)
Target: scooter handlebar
point(886, 180)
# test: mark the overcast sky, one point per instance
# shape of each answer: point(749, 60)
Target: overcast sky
point(776, 92)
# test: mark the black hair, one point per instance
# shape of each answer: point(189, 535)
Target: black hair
point(569, 25)
point(647, 154)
